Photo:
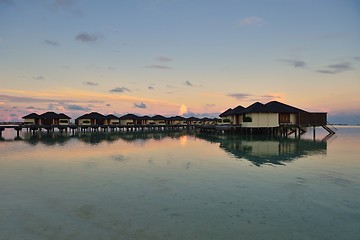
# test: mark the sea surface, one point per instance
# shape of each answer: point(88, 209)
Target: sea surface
point(179, 185)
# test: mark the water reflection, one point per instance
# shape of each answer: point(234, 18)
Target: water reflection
point(95, 138)
point(258, 150)
point(267, 149)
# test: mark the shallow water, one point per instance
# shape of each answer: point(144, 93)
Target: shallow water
point(180, 186)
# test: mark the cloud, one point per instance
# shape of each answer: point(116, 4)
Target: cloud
point(68, 5)
point(39, 78)
point(88, 37)
point(120, 90)
point(337, 68)
point(239, 96)
point(13, 115)
point(76, 107)
point(187, 83)
point(30, 107)
point(140, 105)
point(53, 106)
point(8, 98)
point(163, 59)
point(210, 105)
point(51, 43)
point(183, 109)
point(357, 59)
point(91, 83)
point(269, 97)
point(295, 63)
point(251, 21)
point(150, 87)
point(108, 105)
point(158, 66)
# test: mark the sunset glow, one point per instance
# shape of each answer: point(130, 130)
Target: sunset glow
point(191, 58)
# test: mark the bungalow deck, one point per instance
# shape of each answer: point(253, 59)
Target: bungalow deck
point(282, 130)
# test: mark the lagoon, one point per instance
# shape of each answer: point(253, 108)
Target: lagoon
point(179, 185)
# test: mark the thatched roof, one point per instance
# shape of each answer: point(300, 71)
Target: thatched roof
point(129, 116)
point(31, 116)
point(275, 106)
point(92, 115)
point(158, 117)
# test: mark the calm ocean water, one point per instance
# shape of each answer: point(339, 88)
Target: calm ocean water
point(180, 186)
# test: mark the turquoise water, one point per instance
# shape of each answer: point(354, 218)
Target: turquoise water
point(180, 186)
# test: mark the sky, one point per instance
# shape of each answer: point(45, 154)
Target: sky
point(178, 57)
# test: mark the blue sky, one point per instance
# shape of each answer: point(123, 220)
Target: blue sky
point(178, 56)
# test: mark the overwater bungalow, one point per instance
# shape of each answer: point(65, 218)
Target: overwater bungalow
point(112, 120)
point(93, 118)
point(232, 116)
point(130, 119)
point(159, 120)
point(32, 118)
point(146, 120)
point(274, 115)
point(176, 120)
point(193, 121)
point(208, 121)
point(64, 119)
point(53, 119)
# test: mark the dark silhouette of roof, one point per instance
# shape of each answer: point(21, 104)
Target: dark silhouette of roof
point(63, 116)
point(193, 119)
point(111, 116)
point(226, 113)
point(145, 117)
point(49, 115)
point(158, 117)
point(177, 118)
point(31, 116)
point(130, 116)
point(92, 115)
point(275, 106)
point(238, 110)
point(256, 107)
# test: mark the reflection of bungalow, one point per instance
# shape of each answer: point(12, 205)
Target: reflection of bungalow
point(268, 150)
point(262, 151)
point(271, 115)
point(130, 119)
point(31, 118)
point(111, 120)
point(92, 118)
point(176, 120)
point(159, 120)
